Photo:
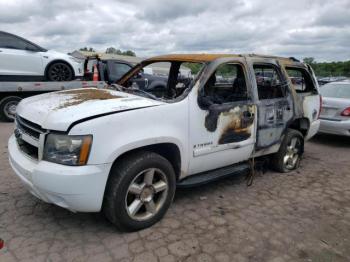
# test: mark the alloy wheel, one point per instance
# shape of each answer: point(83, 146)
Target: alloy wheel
point(292, 155)
point(146, 194)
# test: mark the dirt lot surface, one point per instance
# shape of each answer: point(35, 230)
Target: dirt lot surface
point(302, 216)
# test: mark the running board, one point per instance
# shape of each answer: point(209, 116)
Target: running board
point(213, 175)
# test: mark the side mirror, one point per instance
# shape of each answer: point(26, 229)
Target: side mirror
point(139, 75)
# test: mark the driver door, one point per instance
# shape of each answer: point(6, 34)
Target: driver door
point(222, 117)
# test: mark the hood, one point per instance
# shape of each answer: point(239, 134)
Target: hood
point(52, 54)
point(58, 110)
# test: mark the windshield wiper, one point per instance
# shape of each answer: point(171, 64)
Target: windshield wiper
point(130, 89)
point(142, 92)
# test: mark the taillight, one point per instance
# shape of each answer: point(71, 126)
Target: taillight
point(319, 111)
point(346, 112)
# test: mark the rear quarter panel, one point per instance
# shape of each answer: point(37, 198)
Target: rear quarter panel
point(311, 111)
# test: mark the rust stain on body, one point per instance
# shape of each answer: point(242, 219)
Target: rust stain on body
point(239, 128)
point(234, 135)
point(82, 95)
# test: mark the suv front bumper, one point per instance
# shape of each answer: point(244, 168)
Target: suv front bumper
point(77, 188)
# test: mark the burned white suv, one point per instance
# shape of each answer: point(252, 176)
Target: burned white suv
point(124, 151)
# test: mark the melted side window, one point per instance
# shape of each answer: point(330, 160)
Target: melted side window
point(165, 80)
point(226, 85)
point(301, 80)
point(269, 82)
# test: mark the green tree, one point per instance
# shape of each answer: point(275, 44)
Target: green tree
point(129, 53)
point(90, 49)
point(309, 60)
point(326, 69)
point(112, 50)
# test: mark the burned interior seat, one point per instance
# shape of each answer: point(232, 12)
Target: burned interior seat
point(210, 96)
point(239, 89)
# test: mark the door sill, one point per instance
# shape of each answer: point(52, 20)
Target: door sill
point(213, 175)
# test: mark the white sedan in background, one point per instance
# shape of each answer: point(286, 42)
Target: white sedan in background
point(22, 60)
point(335, 114)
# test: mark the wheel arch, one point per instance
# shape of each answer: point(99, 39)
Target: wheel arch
point(168, 150)
point(301, 124)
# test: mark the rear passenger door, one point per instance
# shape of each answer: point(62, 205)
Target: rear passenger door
point(274, 102)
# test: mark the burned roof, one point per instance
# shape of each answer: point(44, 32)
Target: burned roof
point(211, 57)
point(190, 57)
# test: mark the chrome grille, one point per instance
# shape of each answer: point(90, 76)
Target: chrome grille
point(28, 134)
point(29, 128)
point(28, 149)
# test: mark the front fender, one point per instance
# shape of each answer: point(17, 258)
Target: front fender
point(143, 143)
point(116, 134)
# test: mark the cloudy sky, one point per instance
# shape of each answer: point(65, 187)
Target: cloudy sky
point(299, 28)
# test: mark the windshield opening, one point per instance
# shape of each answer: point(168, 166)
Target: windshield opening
point(161, 80)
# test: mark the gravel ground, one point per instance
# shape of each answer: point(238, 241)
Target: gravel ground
point(302, 216)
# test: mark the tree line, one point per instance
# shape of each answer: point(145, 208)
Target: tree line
point(111, 50)
point(326, 69)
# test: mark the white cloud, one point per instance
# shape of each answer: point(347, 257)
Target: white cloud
point(291, 28)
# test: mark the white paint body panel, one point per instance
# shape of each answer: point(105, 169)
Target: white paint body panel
point(311, 106)
point(29, 63)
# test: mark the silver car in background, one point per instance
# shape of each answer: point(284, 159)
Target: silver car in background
point(335, 113)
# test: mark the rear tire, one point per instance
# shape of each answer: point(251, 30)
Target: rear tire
point(139, 191)
point(59, 71)
point(8, 107)
point(289, 155)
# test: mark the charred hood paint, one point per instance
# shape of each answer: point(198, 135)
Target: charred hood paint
point(58, 110)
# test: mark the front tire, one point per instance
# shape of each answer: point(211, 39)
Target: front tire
point(59, 71)
point(289, 155)
point(139, 191)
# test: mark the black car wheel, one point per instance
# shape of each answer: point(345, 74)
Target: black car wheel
point(8, 107)
point(60, 72)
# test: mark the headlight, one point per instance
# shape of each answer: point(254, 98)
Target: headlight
point(67, 150)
